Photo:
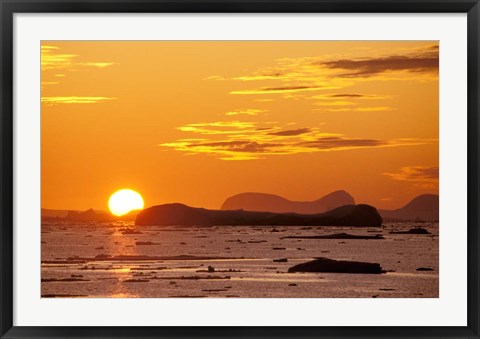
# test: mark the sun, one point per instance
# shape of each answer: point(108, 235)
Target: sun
point(123, 201)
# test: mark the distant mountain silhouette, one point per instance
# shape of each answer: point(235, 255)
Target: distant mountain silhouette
point(88, 215)
point(182, 215)
point(48, 213)
point(423, 207)
point(274, 203)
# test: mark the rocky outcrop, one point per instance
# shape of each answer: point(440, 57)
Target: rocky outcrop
point(179, 214)
point(326, 265)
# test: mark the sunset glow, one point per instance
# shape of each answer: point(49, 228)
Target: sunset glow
point(335, 144)
point(125, 201)
point(204, 120)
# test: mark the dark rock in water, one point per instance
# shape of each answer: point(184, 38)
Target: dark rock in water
point(425, 269)
point(336, 236)
point(326, 265)
point(62, 295)
point(230, 270)
point(415, 230)
point(129, 231)
point(63, 280)
point(146, 243)
point(280, 260)
point(179, 214)
point(215, 290)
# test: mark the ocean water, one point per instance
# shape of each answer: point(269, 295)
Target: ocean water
point(121, 260)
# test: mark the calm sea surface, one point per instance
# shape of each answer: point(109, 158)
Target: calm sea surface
point(120, 260)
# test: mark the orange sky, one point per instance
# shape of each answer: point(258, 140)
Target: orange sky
point(196, 122)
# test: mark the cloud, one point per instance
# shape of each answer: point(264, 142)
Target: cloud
point(248, 111)
point(346, 95)
point(283, 89)
point(340, 143)
point(74, 100)
point(314, 73)
point(292, 132)
point(263, 76)
point(335, 103)
point(421, 176)
point(351, 96)
point(50, 59)
point(218, 127)
point(235, 140)
point(214, 77)
point(374, 109)
point(426, 61)
point(53, 59)
point(97, 64)
point(334, 108)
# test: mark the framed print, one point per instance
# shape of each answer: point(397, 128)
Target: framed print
point(239, 169)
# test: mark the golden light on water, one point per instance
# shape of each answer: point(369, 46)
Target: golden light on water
point(124, 201)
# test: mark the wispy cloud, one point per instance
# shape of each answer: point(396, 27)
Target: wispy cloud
point(218, 127)
point(235, 140)
point(333, 108)
point(52, 59)
point(421, 176)
point(247, 111)
point(280, 90)
point(424, 61)
point(214, 77)
point(74, 100)
point(292, 132)
point(316, 73)
point(335, 103)
point(97, 64)
point(263, 76)
point(374, 109)
point(350, 96)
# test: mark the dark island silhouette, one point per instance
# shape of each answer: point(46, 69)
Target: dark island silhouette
point(424, 207)
point(273, 203)
point(182, 215)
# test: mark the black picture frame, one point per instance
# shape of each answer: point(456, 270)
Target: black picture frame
point(10, 7)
